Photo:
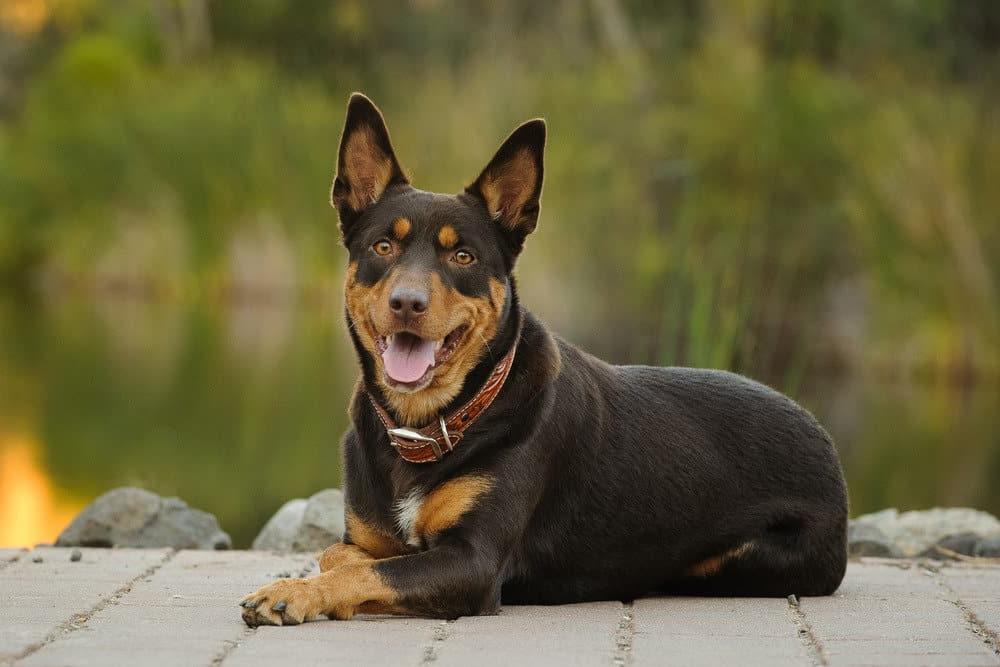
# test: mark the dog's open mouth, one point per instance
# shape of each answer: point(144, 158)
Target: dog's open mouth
point(409, 360)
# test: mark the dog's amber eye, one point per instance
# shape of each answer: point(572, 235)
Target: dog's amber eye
point(463, 257)
point(382, 247)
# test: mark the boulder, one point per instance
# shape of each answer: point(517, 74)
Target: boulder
point(988, 547)
point(914, 533)
point(305, 524)
point(279, 532)
point(961, 543)
point(868, 540)
point(132, 517)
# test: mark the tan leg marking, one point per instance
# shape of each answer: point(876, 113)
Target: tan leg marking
point(444, 506)
point(372, 540)
point(712, 565)
point(339, 594)
point(339, 554)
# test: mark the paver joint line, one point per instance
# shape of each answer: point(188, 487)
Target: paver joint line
point(973, 623)
point(881, 616)
point(79, 620)
point(441, 632)
point(233, 644)
point(806, 634)
point(624, 634)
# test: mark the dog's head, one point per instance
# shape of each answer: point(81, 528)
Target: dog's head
point(428, 284)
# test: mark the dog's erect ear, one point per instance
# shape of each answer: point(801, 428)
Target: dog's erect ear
point(366, 164)
point(511, 184)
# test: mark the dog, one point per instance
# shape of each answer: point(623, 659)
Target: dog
point(491, 462)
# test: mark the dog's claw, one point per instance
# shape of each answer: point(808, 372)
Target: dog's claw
point(279, 607)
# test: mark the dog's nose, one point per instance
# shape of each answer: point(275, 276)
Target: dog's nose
point(407, 302)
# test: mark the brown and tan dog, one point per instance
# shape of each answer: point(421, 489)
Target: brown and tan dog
point(490, 461)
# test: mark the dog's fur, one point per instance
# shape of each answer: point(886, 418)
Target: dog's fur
point(583, 480)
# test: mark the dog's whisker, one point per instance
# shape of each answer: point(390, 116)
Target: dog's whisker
point(485, 342)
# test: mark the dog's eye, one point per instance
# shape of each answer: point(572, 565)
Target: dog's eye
point(382, 247)
point(463, 257)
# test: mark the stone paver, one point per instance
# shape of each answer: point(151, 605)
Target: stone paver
point(578, 634)
point(38, 598)
point(183, 614)
point(979, 594)
point(716, 631)
point(130, 607)
point(887, 615)
point(360, 641)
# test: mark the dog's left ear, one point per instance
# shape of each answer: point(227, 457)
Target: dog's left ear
point(511, 184)
point(366, 163)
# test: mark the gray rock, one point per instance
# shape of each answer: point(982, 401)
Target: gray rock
point(305, 525)
point(988, 547)
point(279, 531)
point(131, 517)
point(75, 555)
point(960, 543)
point(868, 540)
point(322, 522)
point(913, 533)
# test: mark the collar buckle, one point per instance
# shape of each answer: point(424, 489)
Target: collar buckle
point(403, 433)
point(444, 432)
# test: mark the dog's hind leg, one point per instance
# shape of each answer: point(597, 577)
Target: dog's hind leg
point(796, 551)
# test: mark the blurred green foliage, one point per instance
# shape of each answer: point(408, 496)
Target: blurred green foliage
point(775, 186)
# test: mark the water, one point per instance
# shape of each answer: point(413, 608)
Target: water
point(236, 409)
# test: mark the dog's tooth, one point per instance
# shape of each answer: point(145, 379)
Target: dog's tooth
point(438, 344)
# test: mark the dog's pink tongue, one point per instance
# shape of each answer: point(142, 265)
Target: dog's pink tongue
point(408, 357)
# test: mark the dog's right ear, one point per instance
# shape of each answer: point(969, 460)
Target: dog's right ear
point(366, 164)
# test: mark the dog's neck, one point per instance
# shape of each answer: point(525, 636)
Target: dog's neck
point(508, 331)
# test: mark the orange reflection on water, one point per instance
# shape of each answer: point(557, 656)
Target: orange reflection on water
point(24, 16)
point(30, 511)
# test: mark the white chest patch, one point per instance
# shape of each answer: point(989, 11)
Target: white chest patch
point(407, 509)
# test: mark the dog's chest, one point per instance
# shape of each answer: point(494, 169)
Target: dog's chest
point(406, 514)
point(420, 515)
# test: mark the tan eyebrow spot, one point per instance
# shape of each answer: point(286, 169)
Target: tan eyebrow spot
point(447, 236)
point(401, 228)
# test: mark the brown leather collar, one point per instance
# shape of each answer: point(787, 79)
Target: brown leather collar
point(432, 442)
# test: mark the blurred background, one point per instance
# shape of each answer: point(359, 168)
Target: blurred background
point(807, 192)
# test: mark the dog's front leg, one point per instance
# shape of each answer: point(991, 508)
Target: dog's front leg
point(447, 581)
point(340, 554)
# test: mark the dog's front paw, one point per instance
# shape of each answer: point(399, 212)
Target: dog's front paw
point(285, 602)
